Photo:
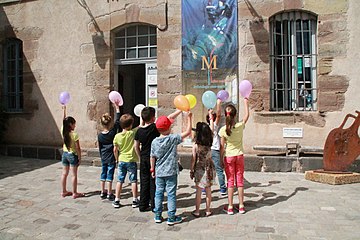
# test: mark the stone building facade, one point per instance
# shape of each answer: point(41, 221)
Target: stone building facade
point(70, 46)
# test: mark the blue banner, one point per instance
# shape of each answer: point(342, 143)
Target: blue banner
point(209, 42)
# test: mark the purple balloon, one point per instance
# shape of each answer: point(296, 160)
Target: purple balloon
point(223, 95)
point(64, 98)
point(245, 88)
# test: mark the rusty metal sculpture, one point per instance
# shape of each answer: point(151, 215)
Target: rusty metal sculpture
point(342, 146)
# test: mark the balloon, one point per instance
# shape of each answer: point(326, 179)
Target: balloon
point(245, 88)
point(209, 99)
point(192, 100)
point(64, 98)
point(182, 103)
point(223, 95)
point(137, 109)
point(114, 96)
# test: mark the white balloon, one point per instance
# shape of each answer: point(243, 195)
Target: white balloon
point(137, 109)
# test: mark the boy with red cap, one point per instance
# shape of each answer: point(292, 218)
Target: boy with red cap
point(164, 151)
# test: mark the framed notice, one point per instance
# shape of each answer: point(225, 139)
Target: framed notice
point(292, 132)
point(152, 92)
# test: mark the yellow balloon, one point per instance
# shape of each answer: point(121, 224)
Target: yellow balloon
point(192, 100)
point(182, 103)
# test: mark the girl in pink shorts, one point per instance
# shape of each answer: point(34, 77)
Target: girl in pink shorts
point(231, 154)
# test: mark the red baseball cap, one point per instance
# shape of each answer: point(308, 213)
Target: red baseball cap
point(163, 123)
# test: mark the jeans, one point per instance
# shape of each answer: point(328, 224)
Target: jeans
point(127, 167)
point(147, 185)
point(107, 172)
point(169, 184)
point(69, 158)
point(215, 154)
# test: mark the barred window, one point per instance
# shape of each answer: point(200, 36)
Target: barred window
point(293, 61)
point(13, 76)
point(135, 42)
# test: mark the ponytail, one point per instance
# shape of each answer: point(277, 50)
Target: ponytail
point(230, 113)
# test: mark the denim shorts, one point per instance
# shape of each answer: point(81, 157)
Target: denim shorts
point(69, 158)
point(127, 167)
point(107, 172)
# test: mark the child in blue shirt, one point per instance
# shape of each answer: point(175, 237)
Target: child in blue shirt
point(164, 151)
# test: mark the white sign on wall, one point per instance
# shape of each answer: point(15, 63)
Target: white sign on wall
point(292, 132)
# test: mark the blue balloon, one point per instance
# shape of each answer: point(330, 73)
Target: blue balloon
point(209, 99)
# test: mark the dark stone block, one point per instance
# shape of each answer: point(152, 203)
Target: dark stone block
point(3, 150)
point(311, 163)
point(30, 152)
point(14, 151)
point(278, 163)
point(46, 153)
point(93, 152)
point(58, 153)
point(253, 163)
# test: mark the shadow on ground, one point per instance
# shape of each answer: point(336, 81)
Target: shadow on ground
point(10, 166)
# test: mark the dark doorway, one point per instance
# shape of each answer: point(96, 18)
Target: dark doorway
point(132, 88)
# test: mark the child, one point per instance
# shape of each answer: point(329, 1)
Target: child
point(71, 155)
point(164, 151)
point(125, 154)
point(144, 137)
point(231, 150)
point(213, 120)
point(105, 140)
point(202, 166)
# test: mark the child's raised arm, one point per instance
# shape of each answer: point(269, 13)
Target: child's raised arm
point(188, 128)
point(64, 108)
point(174, 114)
point(246, 105)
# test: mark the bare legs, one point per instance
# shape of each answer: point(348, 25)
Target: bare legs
point(198, 201)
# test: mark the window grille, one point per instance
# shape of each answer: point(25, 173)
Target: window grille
point(135, 42)
point(13, 76)
point(293, 61)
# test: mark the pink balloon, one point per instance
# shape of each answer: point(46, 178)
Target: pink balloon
point(114, 96)
point(245, 88)
point(223, 95)
point(64, 98)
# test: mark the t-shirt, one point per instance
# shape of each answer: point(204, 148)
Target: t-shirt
point(216, 140)
point(124, 141)
point(74, 137)
point(234, 143)
point(164, 150)
point(145, 135)
point(105, 141)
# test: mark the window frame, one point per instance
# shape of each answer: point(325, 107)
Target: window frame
point(122, 51)
point(297, 94)
point(13, 100)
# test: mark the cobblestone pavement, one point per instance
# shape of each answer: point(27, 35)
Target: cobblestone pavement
point(279, 206)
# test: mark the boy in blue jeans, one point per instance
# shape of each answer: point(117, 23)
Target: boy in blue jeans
point(125, 154)
point(164, 151)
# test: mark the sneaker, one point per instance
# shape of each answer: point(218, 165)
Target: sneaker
point(158, 218)
point(241, 210)
point(103, 195)
point(135, 203)
point(146, 209)
point(203, 191)
point(174, 220)
point(229, 211)
point(111, 197)
point(116, 204)
point(223, 192)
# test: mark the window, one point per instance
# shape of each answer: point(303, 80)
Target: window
point(293, 61)
point(13, 76)
point(135, 42)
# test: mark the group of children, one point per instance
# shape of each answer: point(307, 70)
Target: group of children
point(155, 145)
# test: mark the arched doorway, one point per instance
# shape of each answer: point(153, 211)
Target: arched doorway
point(135, 66)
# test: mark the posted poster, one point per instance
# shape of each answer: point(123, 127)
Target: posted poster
point(209, 44)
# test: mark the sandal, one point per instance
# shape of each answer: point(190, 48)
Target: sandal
point(78, 195)
point(65, 194)
point(208, 214)
point(195, 214)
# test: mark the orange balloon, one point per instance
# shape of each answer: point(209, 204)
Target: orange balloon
point(182, 103)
